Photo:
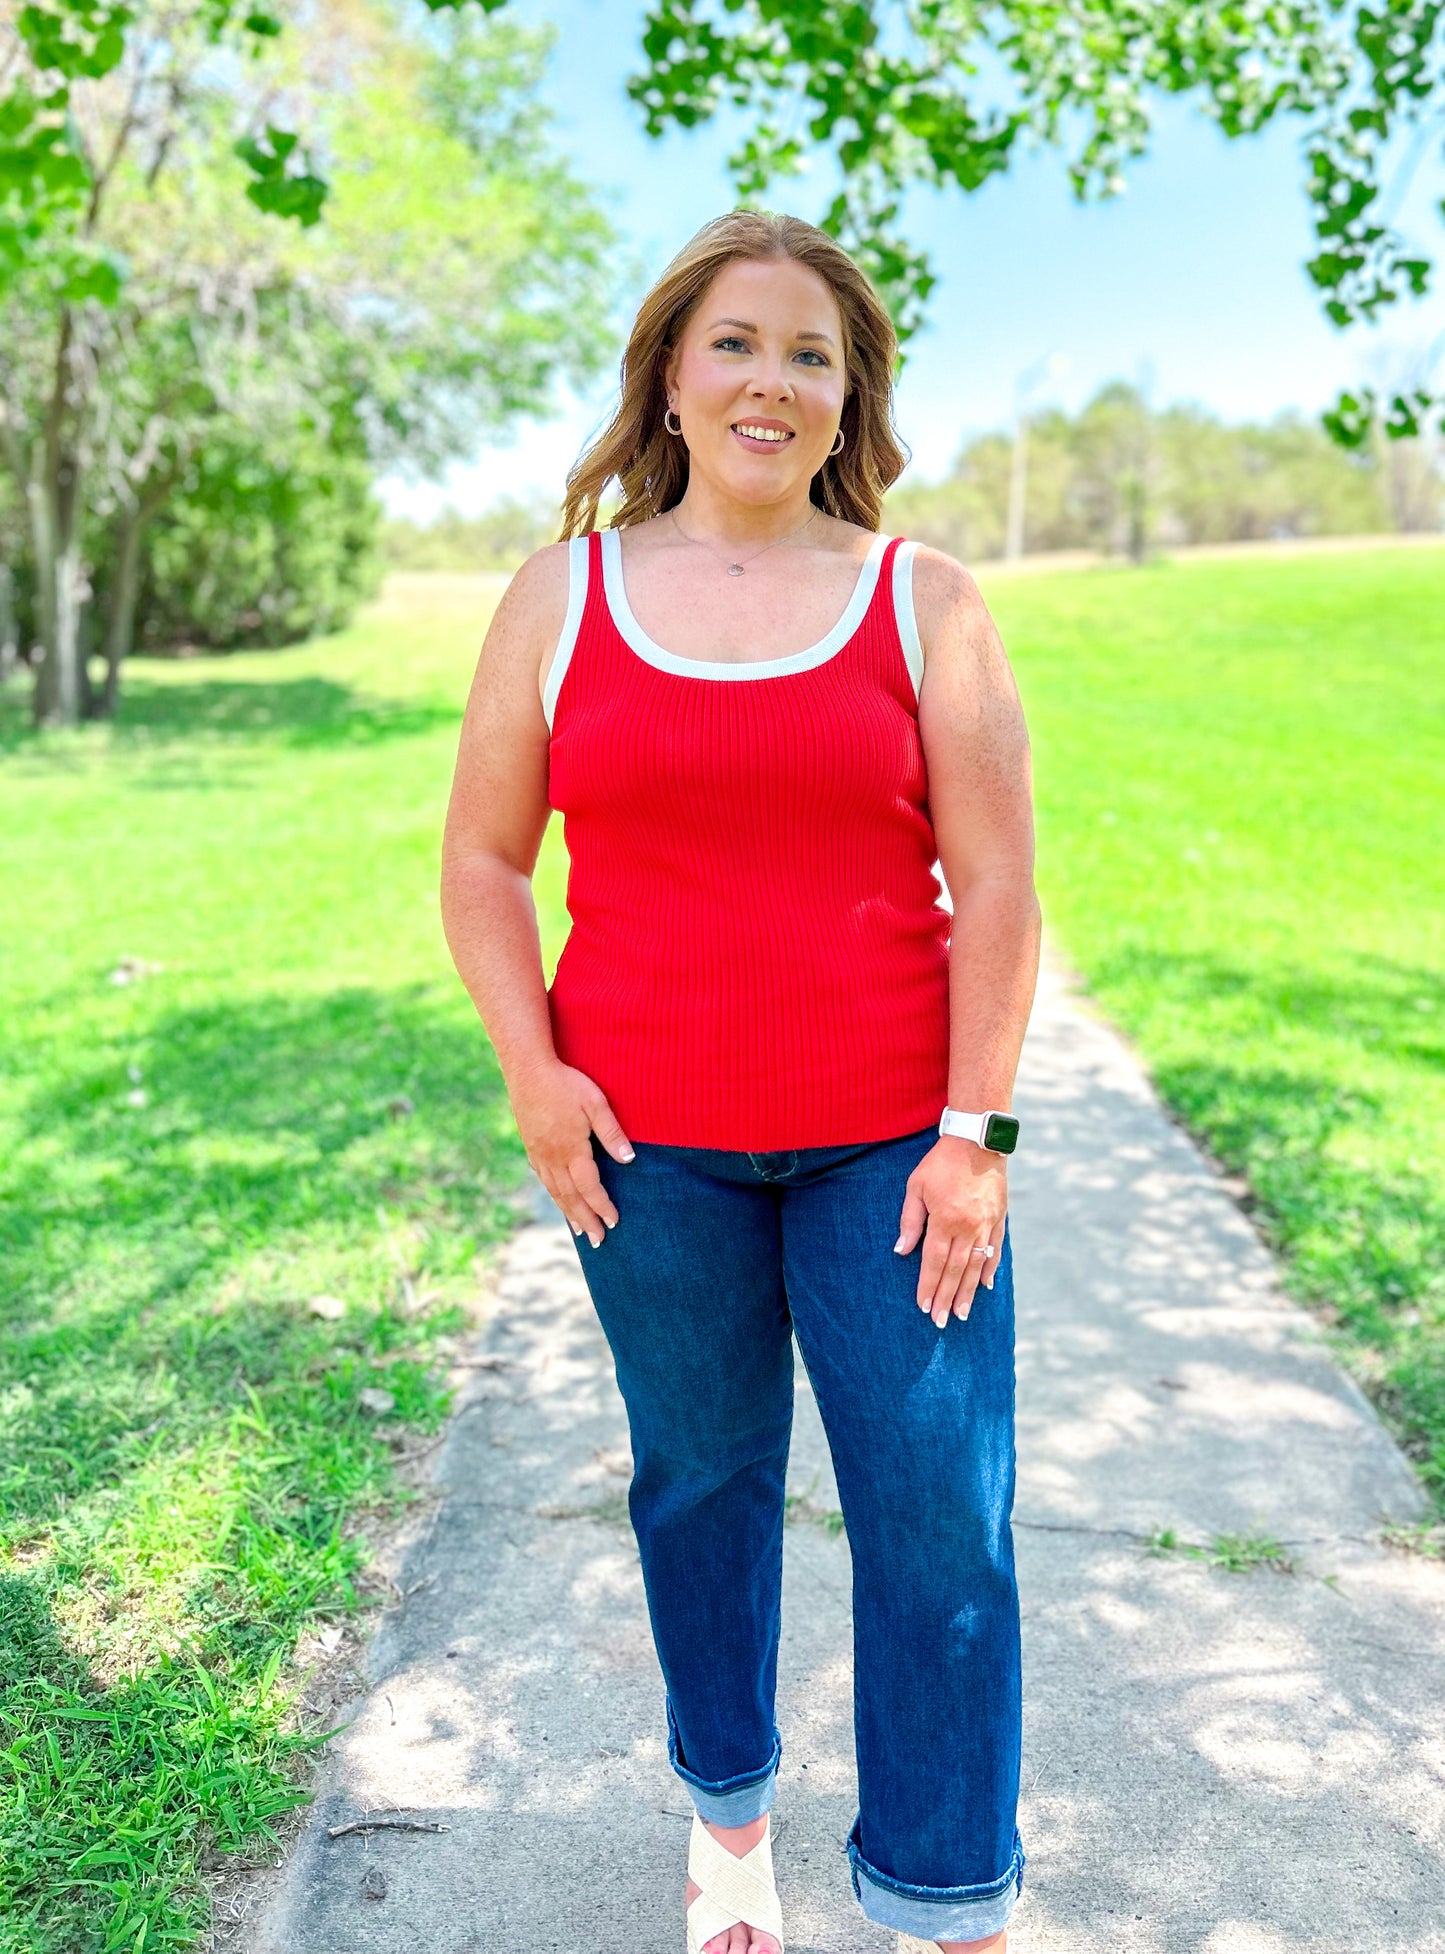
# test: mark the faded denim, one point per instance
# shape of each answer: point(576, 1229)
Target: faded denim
point(718, 1258)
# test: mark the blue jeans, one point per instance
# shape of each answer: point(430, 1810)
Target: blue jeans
point(717, 1259)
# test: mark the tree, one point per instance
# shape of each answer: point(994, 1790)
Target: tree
point(928, 91)
point(458, 268)
point(1121, 478)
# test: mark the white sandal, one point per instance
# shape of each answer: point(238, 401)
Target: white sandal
point(731, 1892)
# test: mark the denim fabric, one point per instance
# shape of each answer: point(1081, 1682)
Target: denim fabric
point(718, 1258)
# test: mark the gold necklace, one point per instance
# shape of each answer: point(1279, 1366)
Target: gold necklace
point(736, 569)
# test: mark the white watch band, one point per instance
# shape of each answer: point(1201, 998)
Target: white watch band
point(963, 1126)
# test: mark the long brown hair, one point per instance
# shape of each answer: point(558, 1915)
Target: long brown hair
point(651, 464)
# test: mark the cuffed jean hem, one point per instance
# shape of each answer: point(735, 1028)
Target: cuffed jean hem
point(738, 1807)
point(728, 1801)
point(936, 1912)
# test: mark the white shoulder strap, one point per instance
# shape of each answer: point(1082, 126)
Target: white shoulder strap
point(567, 642)
point(904, 612)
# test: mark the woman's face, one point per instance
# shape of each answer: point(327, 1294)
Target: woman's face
point(763, 350)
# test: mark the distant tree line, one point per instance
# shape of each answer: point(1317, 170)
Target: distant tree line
point(499, 539)
point(1121, 477)
point(1116, 477)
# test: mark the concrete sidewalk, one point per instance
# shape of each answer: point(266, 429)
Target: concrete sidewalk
point(1216, 1762)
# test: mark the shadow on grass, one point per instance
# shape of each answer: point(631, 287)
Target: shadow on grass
point(186, 1442)
point(302, 712)
point(1393, 1008)
point(1367, 1243)
point(160, 1256)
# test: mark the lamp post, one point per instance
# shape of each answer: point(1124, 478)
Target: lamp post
point(1051, 368)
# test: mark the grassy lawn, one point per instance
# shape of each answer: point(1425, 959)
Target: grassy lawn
point(1239, 770)
point(1240, 777)
point(298, 1104)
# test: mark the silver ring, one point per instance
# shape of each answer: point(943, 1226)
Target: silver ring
point(979, 1249)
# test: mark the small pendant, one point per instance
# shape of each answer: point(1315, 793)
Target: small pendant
point(735, 569)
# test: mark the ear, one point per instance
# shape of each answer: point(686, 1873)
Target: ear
point(669, 369)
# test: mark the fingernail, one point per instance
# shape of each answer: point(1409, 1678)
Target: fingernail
point(898, 1246)
point(628, 1154)
point(609, 1221)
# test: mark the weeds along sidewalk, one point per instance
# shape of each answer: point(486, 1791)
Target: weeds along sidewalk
point(1231, 1678)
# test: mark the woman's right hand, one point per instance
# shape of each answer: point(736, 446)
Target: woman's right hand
point(557, 1112)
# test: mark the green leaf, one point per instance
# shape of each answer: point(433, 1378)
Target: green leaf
point(277, 189)
point(99, 278)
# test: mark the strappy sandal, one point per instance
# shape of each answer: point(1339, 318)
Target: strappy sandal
point(731, 1892)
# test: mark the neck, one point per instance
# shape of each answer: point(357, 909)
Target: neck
point(731, 524)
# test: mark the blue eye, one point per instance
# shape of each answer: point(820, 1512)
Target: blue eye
point(731, 339)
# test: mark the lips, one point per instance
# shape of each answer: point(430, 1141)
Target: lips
point(780, 438)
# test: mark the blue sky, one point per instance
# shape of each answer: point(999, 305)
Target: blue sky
point(1191, 284)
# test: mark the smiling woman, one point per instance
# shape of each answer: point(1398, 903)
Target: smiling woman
point(751, 289)
point(766, 1052)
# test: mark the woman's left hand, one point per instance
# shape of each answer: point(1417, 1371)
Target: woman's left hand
point(960, 1190)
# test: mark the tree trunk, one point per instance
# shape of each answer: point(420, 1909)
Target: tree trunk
point(9, 628)
point(1137, 505)
point(54, 496)
point(61, 588)
point(120, 621)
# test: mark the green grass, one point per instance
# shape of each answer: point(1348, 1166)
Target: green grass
point(185, 1162)
point(1238, 770)
point(1240, 778)
point(1236, 1553)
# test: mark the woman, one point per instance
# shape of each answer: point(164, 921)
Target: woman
point(762, 1059)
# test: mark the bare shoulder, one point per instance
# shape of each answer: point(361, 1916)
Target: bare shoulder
point(967, 679)
point(523, 631)
point(534, 604)
point(946, 600)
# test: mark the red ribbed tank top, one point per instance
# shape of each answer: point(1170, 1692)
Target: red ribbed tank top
point(757, 958)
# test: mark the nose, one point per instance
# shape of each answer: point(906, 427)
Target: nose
point(770, 381)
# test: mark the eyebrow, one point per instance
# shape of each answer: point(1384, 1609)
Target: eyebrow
point(825, 337)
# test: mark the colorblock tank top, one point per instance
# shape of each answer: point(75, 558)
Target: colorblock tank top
point(757, 957)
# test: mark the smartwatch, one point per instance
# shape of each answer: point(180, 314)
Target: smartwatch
point(999, 1132)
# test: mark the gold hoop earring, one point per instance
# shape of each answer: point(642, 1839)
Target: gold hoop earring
point(671, 430)
point(842, 444)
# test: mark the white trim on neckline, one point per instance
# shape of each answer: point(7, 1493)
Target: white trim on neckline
point(794, 661)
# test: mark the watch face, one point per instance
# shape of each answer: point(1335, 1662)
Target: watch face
point(1001, 1132)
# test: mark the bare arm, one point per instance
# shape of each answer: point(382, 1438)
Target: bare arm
point(496, 819)
point(980, 788)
